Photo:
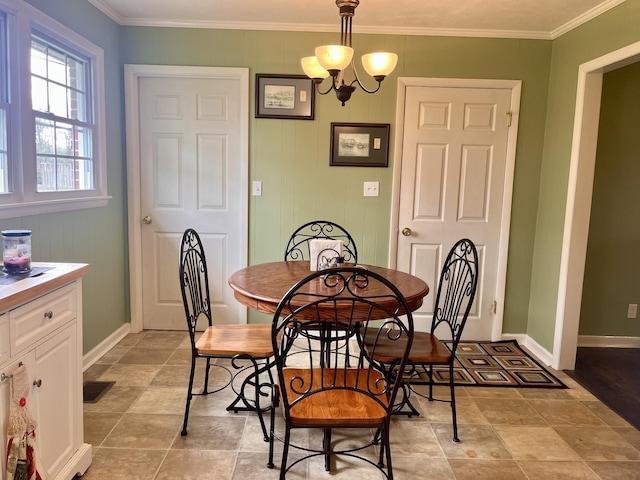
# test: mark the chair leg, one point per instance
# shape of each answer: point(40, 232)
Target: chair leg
point(205, 390)
point(430, 383)
point(272, 426)
point(326, 447)
point(285, 453)
point(189, 395)
point(453, 405)
point(385, 451)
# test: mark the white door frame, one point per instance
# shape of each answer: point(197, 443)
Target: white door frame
point(579, 196)
point(132, 74)
point(516, 87)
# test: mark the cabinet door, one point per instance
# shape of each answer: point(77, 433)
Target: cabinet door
point(5, 395)
point(54, 379)
point(4, 338)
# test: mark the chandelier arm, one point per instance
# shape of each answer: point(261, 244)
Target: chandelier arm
point(331, 87)
point(360, 84)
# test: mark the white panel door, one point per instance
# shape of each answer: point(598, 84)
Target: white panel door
point(452, 181)
point(191, 170)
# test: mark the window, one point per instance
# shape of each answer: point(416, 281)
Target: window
point(4, 172)
point(60, 100)
point(52, 132)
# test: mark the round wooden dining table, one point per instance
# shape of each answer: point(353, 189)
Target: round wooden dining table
point(262, 286)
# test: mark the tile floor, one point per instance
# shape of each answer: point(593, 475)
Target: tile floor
point(506, 433)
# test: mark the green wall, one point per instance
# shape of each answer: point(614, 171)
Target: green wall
point(610, 31)
point(613, 258)
point(292, 157)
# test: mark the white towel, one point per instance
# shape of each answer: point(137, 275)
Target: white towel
point(322, 251)
point(22, 456)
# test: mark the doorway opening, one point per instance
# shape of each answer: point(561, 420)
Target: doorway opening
point(579, 197)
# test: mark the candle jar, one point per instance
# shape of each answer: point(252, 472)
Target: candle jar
point(16, 251)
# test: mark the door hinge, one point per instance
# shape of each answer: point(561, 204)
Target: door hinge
point(494, 307)
point(509, 118)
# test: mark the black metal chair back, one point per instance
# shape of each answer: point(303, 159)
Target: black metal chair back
point(322, 382)
point(298, 245)
point(194, 282)
point(456, 291)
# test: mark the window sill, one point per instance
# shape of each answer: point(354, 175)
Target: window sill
point(16, 210)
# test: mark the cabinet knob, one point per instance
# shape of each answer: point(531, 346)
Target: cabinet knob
point(48, 314)
point(37, 383)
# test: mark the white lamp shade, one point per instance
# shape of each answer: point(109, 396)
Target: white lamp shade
point(334, 57)
point(312, 68)
point(379, 63)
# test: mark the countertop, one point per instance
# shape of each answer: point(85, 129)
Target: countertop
point(24, 290)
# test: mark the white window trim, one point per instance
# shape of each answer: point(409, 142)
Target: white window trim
point(22, 20)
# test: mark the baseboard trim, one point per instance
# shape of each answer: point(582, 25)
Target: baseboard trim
point(608, 341)
point(534, 348)
point(103, 347)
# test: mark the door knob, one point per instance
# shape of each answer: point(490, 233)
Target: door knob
point(406, 231)
point(147, 220)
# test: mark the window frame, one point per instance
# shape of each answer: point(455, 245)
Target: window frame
point(23, 21)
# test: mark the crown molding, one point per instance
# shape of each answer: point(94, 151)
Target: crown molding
point(108, 11)
point(376, 30)
point(585, 17)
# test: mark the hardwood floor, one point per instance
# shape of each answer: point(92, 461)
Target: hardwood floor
point(613, 376)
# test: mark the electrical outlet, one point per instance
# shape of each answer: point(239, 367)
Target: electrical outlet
point(256, 188)
point(632, 311)
point(371, 189)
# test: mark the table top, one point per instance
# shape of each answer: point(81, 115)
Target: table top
point(262, 286)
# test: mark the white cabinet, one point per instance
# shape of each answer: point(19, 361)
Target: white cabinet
point(44, 332)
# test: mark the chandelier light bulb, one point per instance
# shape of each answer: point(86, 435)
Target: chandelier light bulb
point(334, 58)
point(313, 69)
point(379, 64)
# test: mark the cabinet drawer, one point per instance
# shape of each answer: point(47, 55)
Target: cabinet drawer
point(32, 321)
point(4, 338)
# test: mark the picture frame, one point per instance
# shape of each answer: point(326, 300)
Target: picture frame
point(360, 144)
point(285, 97)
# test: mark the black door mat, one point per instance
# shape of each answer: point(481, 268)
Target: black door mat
point(93, 391)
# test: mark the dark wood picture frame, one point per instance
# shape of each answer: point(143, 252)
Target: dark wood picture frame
point(360, 144)
point(285, 96)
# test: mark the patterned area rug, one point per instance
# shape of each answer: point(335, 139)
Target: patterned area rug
point(497, 364)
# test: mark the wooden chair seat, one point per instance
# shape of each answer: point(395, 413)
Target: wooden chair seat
point(336, 406)
point(425, 349)
point(231, 340)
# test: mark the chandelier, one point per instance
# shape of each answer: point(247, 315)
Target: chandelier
point(333, 60)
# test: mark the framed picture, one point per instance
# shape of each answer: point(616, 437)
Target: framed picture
point(284, 96)
point(360, 144)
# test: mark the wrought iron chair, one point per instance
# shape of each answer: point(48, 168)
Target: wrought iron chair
point(455, 294)
point(247, 346)
point(314, 395)
point(298, 246)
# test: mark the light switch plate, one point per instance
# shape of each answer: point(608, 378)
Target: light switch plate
point(371, 189)
point(256, 188)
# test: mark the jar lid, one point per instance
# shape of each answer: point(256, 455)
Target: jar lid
point(16, 233)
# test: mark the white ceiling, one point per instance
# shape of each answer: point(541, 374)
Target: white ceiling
point(543, 19)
